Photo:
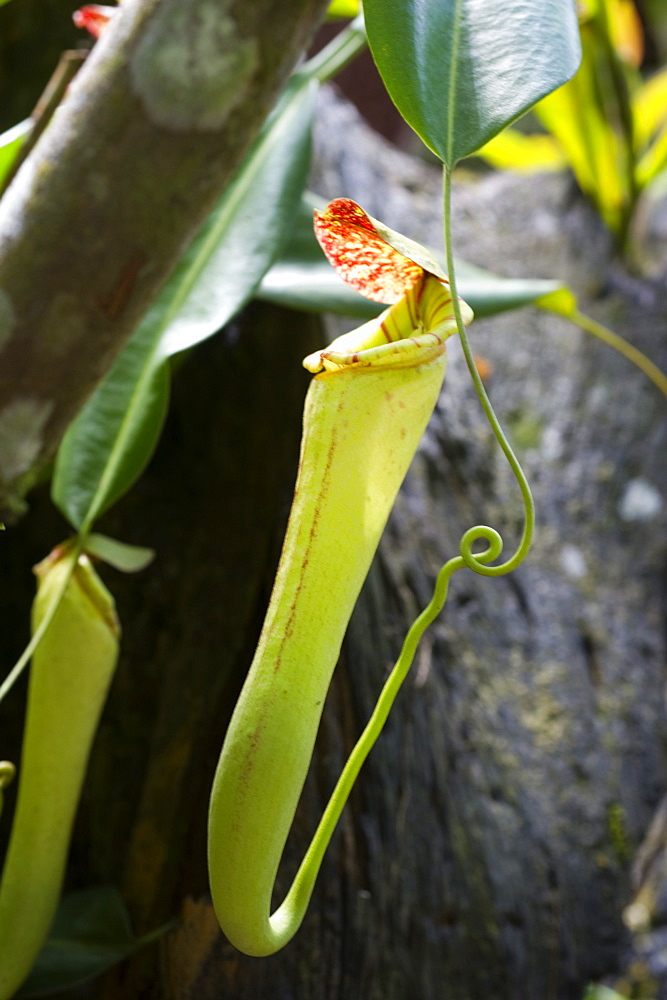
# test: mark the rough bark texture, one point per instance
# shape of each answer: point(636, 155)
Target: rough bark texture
point(150, 133)
point(485, 852)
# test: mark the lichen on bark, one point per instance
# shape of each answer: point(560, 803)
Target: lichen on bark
point(192, 72)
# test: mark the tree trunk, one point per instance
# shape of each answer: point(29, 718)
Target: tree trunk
point(485, 852)
point(151, 131)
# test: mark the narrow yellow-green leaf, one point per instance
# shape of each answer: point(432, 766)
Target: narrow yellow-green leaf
point(649, 107)
point(561, 301)
point(564, 302)
point(525, 154)
point(343, 8)
point(654, 161)
point(575, 116)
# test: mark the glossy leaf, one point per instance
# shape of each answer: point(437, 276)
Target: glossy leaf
point(90, 933)
point(489, 294)
point(108, 445)
point(239, 240)
point(459, 71)
point(302, 278)
point(114, 435)
point(10, 144)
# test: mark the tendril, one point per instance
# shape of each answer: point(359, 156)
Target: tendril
point(476, 562)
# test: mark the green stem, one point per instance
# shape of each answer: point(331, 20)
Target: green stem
point(37, 636)
point(473, 561)
point(621, 345)
point(339, 52)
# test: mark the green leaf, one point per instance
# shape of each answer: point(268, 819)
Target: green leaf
point(90, 933)
point(240, 239)
point(488, 294)
point(302, 278)
point(110, 442)
point(341, 50)
point(564, 302)
point(11, 142)
point(120, 555)
point(106, 448)
point(459, 71)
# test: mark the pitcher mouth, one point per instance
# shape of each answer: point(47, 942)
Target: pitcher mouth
point(410, 333)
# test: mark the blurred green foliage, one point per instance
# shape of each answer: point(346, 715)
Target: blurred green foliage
point(609, 124)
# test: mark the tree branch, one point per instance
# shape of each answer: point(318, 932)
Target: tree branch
point(149, 134)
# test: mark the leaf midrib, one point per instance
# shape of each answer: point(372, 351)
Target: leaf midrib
point(451, 102)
